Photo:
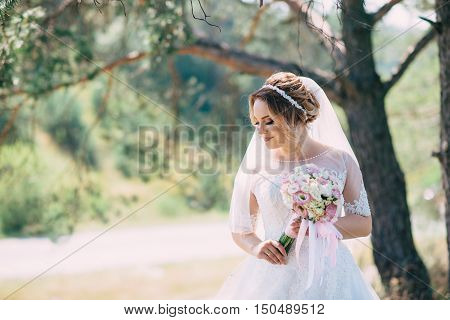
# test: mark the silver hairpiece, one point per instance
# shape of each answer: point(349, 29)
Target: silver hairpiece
point(286, 96)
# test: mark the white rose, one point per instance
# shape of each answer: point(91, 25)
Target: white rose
point(314, 190)
point(326, 189)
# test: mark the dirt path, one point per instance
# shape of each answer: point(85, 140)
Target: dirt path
point(116, 248)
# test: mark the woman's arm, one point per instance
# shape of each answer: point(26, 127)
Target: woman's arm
point(270, 250)
point(249, 241)
point(357, 221)
point(354, 226)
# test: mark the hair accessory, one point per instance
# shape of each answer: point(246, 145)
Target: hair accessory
point(286, 96)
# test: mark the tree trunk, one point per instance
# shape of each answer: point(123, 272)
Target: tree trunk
point(443, 17)
point(402, 271)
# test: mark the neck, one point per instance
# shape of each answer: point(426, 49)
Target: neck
point(301, 149)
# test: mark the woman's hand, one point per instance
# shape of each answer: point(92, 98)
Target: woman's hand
point(271, 251)
point(295, 226)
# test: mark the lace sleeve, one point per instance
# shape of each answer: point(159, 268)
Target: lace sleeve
point(355, 195)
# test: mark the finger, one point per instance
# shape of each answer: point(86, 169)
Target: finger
point(281, 248)
point(277, 255)
point(272, 253)
point(268, 257)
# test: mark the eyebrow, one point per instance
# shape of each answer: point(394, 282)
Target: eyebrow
point(264, 117)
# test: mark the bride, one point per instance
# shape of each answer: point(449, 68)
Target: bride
point(295, 125)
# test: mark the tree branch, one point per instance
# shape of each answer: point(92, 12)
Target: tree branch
point(206, 16)
point(221, 53)
point(244, 62)
point(10, 122)
point(377, 16)
point(238, 60)
point(129, 58)
point(319, 27)
point(255, 22)
point(408, 58)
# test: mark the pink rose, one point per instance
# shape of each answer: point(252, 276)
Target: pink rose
point(302, 198)
point(331, 210)
point(336, 193)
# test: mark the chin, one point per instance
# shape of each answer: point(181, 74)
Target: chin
point(271, 145)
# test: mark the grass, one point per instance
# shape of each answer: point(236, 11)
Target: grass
point(191, 280)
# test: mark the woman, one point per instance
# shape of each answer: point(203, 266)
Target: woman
point(295, 124)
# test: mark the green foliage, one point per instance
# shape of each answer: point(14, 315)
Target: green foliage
point(61, 117)
point(120, 128)
point(165, 26)
point(33, 204)
point(36, 58)
point(206, 192)
point(20, 129)
point(171, 206)
point(18, 33)
point(6, 6)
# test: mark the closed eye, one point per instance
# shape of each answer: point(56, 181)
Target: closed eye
point(267, 123)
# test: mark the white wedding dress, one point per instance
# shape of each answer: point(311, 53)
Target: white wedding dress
point(258, 279)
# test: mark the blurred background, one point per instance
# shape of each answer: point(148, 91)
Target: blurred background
point(81, 83)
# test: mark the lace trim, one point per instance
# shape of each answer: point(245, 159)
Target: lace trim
point(359, 206)
point(342, 177)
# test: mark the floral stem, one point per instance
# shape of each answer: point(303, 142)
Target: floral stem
point(286, 241)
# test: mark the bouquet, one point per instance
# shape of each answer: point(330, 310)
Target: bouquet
point(312, 194)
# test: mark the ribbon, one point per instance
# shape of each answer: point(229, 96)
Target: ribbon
point(320, 234)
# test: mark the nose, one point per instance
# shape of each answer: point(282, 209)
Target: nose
point(261, 129)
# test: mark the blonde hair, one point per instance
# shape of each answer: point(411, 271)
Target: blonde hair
point(289, 116)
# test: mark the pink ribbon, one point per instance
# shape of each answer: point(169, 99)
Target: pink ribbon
point(326, 231)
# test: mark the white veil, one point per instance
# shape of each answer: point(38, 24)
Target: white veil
point(326, 129)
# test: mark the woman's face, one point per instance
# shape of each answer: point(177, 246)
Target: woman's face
point(268, 127)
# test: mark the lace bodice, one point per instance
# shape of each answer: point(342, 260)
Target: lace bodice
point(274, 214)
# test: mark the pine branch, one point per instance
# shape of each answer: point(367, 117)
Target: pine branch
point(6, 7)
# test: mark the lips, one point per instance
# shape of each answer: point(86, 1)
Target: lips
point(267, 139)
